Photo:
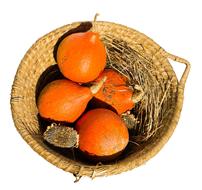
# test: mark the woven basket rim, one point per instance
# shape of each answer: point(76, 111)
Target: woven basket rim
point(82, 169)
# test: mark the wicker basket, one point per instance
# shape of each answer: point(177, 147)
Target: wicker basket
point(40, 56)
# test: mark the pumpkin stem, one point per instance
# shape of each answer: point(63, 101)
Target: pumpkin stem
point(137, 96)
point(97, 86)
point(95, 17)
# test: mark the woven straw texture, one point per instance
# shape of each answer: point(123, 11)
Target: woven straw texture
point(40, 56)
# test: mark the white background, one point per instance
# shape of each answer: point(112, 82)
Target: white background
point(174, 24)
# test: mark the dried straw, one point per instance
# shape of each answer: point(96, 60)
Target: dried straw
point(154, 107)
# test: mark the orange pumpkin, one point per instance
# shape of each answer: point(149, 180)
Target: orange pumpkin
point(102, 133)
point(64, 100)
point(115, 92)
point(81, 57)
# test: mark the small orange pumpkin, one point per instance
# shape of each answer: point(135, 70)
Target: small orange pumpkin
point(81, 57)
point(102, 133)
point(115, 92)
point(64, 100)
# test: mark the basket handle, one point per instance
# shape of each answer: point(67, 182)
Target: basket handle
point(186, 71)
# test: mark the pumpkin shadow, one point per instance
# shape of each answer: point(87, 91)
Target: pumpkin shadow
point(95, 103)
point(50, 74)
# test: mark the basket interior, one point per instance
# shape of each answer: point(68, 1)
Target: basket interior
point(38, 67)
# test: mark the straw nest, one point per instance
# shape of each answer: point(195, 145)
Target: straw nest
point(141, 60)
